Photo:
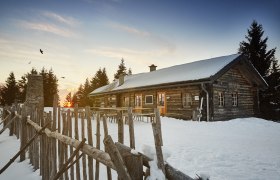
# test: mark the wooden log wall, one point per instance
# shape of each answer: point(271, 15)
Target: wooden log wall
point(233, 82)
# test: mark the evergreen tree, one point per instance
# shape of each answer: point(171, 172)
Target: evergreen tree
point(255, 49)
point(50, 84)
point(121, 70)
point(100, 79)
point(9, 92)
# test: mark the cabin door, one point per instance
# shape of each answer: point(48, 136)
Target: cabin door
point(161, 102)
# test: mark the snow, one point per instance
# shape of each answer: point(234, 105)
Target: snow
point(190, 71)
point(238, 149)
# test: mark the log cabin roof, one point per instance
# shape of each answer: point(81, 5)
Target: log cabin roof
point(207, 70)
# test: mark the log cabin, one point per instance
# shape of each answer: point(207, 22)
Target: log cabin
point(219, 88)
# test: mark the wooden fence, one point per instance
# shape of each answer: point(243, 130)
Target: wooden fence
point(60, 142)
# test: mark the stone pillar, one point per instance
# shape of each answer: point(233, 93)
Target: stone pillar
point(35, 93)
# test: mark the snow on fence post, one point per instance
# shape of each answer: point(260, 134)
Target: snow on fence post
point(131, 128)
point(90, 142)
point(120, 127)
point(97, 143)
point(156, 125)
point(78, 176)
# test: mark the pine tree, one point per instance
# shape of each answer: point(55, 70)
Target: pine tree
point(121, 70)
point(255, 49)
point(50, 84)
point(10, 91)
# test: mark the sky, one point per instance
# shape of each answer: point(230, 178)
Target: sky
point(80, 36)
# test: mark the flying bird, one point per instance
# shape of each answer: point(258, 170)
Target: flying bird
point(41, 51)
point(29, 62)
point(63, 77)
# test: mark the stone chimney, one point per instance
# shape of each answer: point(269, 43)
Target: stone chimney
point(121, 79)
point(153, 67)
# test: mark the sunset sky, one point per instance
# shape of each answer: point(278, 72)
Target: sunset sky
point(80, 36)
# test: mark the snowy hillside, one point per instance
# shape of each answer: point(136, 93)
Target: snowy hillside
point(234, 150)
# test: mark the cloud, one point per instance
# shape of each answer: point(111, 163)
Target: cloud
point(50, 28)
point(155, 39)
point(66, 20)
point(129, 29)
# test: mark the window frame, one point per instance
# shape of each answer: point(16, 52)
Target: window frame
point(234, 98)
point(221, 99)
point(138, 98)
point(187, 99)
point(126, 100)
point(149, 96)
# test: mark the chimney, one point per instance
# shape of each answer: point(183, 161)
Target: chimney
point(153, 67)
point(121, 79)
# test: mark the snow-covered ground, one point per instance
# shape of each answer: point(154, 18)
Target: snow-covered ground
point(238, 149)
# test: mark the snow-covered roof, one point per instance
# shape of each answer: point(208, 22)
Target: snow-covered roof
point(197, 70)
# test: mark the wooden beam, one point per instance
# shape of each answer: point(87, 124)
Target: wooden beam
point(116, 158)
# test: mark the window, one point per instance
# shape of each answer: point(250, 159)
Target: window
point(138, 100)
point(234, 97)
point(149, 99)
point(161, 99)
point(187, 99)
point(221, 98)
point(126, 101)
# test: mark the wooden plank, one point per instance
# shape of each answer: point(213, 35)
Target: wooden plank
point(105, 127)
point(84, 156)
point(116, 158)
point(54, 141)
point(65, 131)
point(131, 128)
point(90, 142)
point(156, 125)
point(68, 128)
point(120, 127)
point(78, 175)
point(97, 143)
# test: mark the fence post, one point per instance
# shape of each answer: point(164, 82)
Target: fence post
point(156, 125)
point(116, 158)
point(68, 132)
point(97, 144)
point(131, 128)
point(23, 132)
point(78, 176)
point(105, 127)
point(53, 141)
point(120, 127)
point(90, 142)
point(83, 137)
